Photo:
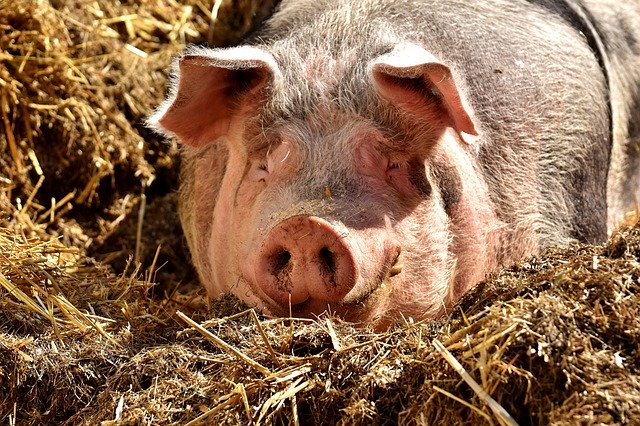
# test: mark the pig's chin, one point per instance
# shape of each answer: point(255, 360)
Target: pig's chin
point(367, 307)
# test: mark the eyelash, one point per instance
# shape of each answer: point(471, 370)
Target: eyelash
point(393, 166)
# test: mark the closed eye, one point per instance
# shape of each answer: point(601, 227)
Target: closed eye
point(260, 171)
point(392, 166)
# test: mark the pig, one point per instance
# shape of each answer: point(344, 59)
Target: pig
point(375, 159)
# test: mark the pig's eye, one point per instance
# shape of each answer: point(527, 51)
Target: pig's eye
point(395, 171)
point(260, 171)
point(393, 166)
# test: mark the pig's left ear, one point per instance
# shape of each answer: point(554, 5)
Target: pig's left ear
point(409, 76)
point(210, 87)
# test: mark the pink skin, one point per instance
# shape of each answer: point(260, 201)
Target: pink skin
point(385, 251)
point(325, 265)
point(440, 256)
point(305, 258)
point(244, 257)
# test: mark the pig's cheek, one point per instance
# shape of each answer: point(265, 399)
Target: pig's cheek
point(247, 231)
point(232, 220)
point(427, 262)
point(421, 289)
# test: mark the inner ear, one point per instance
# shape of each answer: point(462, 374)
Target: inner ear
point(246, 81)
point(210, 88)
point(415, 80)
point(410, 92)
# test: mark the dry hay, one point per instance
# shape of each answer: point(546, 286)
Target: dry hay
point(553, 340)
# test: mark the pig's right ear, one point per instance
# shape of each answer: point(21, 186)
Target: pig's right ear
point(412, 78)
point(210, 86)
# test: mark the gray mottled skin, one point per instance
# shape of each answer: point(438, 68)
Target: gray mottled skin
point(560, 161)
point(619, 24)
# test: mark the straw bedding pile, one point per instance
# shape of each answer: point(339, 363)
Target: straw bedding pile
point(129, 339)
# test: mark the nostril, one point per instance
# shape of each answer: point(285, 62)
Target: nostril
point(304, 261)
point(327, 260)
point(280, 262)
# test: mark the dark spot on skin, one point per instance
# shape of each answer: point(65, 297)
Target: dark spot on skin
point(450, 185)
point(629, 36)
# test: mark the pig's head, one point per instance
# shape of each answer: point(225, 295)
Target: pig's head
point(322, 184)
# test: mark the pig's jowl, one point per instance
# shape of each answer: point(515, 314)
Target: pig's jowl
point(379, 158)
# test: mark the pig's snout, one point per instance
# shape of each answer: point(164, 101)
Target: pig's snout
point(305, 258)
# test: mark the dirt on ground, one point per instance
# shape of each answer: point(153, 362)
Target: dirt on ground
point(102, 320)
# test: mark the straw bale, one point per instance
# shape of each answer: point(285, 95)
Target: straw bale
point(553, 340)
